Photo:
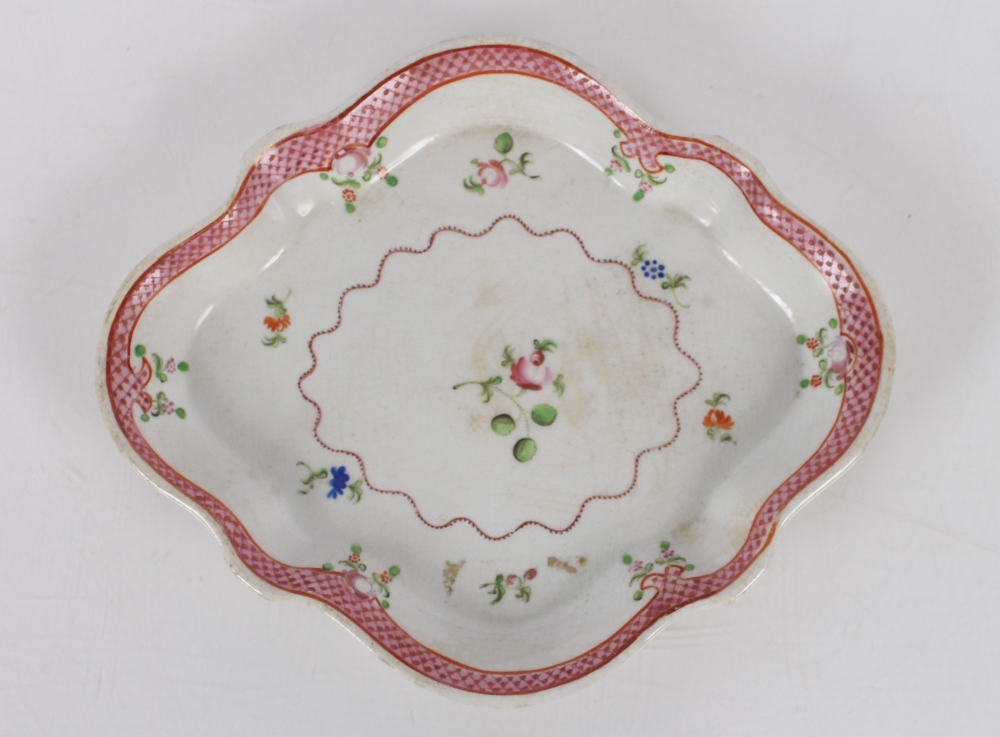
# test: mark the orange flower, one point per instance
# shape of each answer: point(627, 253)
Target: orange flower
point(277, 324)
point(718, 418)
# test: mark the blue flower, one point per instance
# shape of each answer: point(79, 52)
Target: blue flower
point(653, 269)
point(338, 482)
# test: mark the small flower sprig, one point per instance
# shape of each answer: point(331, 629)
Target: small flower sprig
point(492, 173)
point(353, 159)
point(339, 482)
point(653, 269)
point(529, 374)
point(619, 163)
point(158, 404)
point(497, 588)
point(666, 557)
point(837, 356)
point(277, 321)
point(718, 422)
point(374, 586)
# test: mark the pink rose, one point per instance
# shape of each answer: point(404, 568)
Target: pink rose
point(510, 579)
point(636, 566)
point(841, 353)
point(359, 584)
point(530, 573)
point(492, 174)
point(531, 374)
point(351, 159)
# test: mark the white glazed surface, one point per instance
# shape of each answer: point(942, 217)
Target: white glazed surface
point(541, 258)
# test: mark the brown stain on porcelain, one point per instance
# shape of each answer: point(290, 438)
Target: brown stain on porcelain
point(564, 565)
point(450, 574)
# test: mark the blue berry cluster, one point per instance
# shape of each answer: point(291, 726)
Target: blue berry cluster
point(653, 269)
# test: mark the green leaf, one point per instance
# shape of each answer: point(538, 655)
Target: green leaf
point(472, 185)
point(546, 346)
point(718, 399)
point(544, 414)
point(381, 142)
point(356, 490)
point(669, 168)
point(503, 424)
point(525, 449)
point(181, 412)
point(639, 254)
point(504, 143)
point(508, 356)
point(352, 183)
point(324, 176)
point(618, 133)
point(158, 368)
point(523, 162)
point(366, 176)
point(558, 385)
point(639, 194)
point(485, 387)
point(349, 207)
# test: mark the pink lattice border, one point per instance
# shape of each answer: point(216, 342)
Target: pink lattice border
point(312, 150)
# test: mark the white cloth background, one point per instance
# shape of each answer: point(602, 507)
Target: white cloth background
point(125, 122)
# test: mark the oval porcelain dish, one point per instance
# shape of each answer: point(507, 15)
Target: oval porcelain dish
point(495, 372)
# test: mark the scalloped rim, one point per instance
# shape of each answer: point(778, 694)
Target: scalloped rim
point(726, 595)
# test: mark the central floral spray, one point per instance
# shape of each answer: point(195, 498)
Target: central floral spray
point(528, 373)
